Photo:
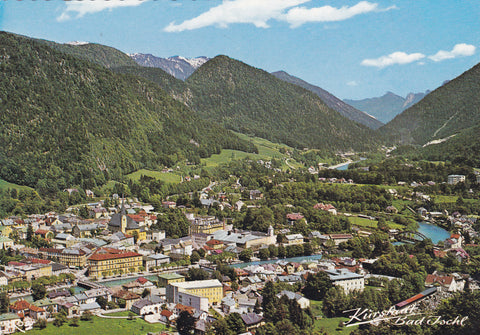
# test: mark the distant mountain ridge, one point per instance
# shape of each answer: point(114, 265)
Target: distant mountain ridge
point(332, 101)
point(386, 107)
point(178, 66)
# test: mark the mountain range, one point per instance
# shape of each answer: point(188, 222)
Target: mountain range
point(386, 107)
point(177, 66)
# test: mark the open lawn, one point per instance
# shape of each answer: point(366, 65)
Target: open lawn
point(171, 178)
point(362, 222)
point(102, 326)
point(329, 325)
point(6, 185)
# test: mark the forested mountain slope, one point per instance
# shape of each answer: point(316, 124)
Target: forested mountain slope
point(66, 121)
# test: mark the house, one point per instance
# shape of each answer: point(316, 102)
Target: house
point(155, 260)
point(454, 179)
point(294, 239)
point(129, 297)
point(5, 242)
point(146, 306)
point(326, 207)
point(349, 281)
point(256, 195)
point(70, 308)
point(47, 304)
point(446, 283)
point(293, 218)
point(238, 205)
point(166, 279)
point(24, 307)
point(9, 323)
point(339, 238)
point(252, 320)
point(166, 316)
point(301, 300)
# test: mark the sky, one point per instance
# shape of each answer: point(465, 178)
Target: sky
point(352, 48)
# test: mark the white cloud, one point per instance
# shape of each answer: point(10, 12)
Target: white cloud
point(300, 15)
point(394, 58)
point(257, 12)
point(81, 7)
point(352, 83)
point(458, 50)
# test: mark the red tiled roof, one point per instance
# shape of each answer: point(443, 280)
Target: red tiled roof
point(184, 308)
point(214, 242)
point(136, 218)
point(20, 305)
point(294, 216)
point(109, 253)
point(41, 232)
point(142, 280)
point(166, 313)
point(442, 280)
point(39, 261)
point(13, 263)
point(36, 309)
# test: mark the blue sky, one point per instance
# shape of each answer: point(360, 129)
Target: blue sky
point(352, 48)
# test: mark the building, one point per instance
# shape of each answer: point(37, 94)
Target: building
point(246, 238)
point(211, 289)
point(107, 261)
point(293, 218)
point(121, 222)
point(166, 279)
point(445, 283)
point(67, 256)
point(155, 260)
point(294, 239)
point(9, 322)
point(455, 179)
point(205, 224)
point(349, 281)
point(339, 238)
point(146, 306)
point(326, 207)
point(5, 242)
point(301, 300)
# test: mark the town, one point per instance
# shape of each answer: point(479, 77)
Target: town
point(117, 257)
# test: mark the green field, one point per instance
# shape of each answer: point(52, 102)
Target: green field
point(6, 185)
point(266, 151)
point(329, 325)
point(362, 222)
point(102, 326)
point(169, 177)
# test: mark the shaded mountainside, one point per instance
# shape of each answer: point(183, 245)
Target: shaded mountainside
point(101, 54)
point(179, 67)
point(66, 121)
point(446, 111)
point(254, 102)
point(331, 101)
point(386, 107)
point(166, 81)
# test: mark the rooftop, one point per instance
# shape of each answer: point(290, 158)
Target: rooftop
point(188, 285)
